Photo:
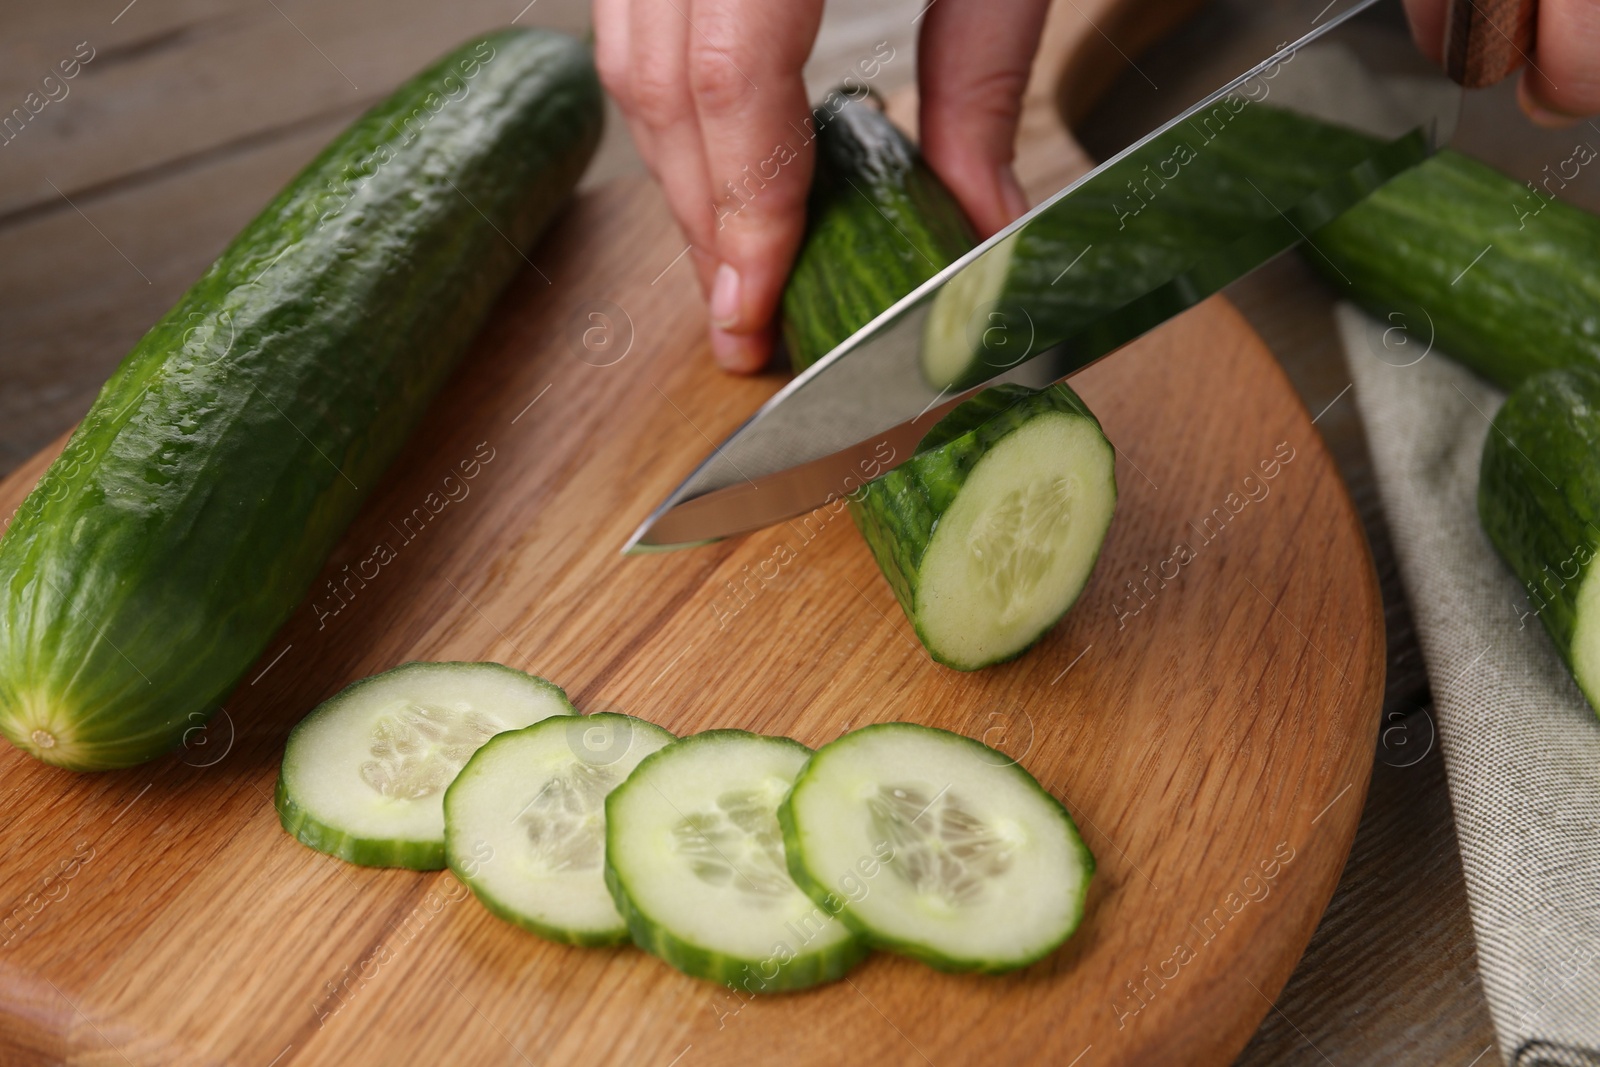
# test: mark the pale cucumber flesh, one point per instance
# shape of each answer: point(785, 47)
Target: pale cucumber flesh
point(989, 532)
point(936, 846)
point(1016, 547)
point(525, 822)
point(1585, 654)
point(364, 774)
point(967, 336)
point(695, 862)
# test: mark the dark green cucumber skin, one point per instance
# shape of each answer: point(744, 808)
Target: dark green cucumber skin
point(879, 223)
point(1407, 252)
point(815, 886)
point(361, 851)
point(560, 935)
point(801, 972)
point(221, 462)
point(898, 512)
point(1150, 251)
point(310, 831)
point(1539, 493)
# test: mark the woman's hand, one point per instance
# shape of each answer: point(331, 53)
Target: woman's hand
point(1561, 82)
point(713, 87)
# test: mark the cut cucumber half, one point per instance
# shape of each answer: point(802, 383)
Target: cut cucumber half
point(936, 846)
point(694, 860)
point(525, 822)
point(989, 532)
point(364, 774)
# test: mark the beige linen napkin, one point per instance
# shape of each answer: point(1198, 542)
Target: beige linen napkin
point(1521, 747)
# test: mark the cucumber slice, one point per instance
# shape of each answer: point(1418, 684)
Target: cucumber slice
point(525, 822)
point(364, 774)
point(936, 846)
point(694, 860)
point(988, 533)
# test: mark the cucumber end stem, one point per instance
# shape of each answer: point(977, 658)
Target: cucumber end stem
point(45, 733)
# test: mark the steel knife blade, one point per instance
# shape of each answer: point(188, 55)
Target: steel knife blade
point(861, 410)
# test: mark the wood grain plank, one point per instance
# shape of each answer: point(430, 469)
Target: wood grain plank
point(191, 116)
point(175, 77)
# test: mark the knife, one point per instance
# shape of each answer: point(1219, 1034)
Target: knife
point(861, 410)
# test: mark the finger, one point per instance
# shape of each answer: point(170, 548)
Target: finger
point(661, 103)
point(971, 70)
point(1562, 83)
point(744, 70)
point(611, 50)
point(614, 60)
point(1427, 27)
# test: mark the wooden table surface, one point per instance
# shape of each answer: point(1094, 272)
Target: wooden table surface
point(189, 114)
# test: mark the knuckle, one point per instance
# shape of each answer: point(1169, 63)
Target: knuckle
point(717, 84)
point(657, 94)
point(976, 119)
point(773, 208)
point(996, 93)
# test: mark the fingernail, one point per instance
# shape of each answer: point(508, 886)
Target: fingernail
point(737, 353)
point(725, 298)
point(1550, 120)
point(1539, 114)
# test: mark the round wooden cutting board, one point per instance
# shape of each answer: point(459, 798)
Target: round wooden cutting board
point(1207, 712)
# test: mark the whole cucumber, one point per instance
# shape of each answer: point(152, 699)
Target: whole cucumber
point(229, 451)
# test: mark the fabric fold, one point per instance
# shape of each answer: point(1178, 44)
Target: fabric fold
point(1521, 746)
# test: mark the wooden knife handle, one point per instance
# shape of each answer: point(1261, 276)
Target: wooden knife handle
point(1484, 40)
